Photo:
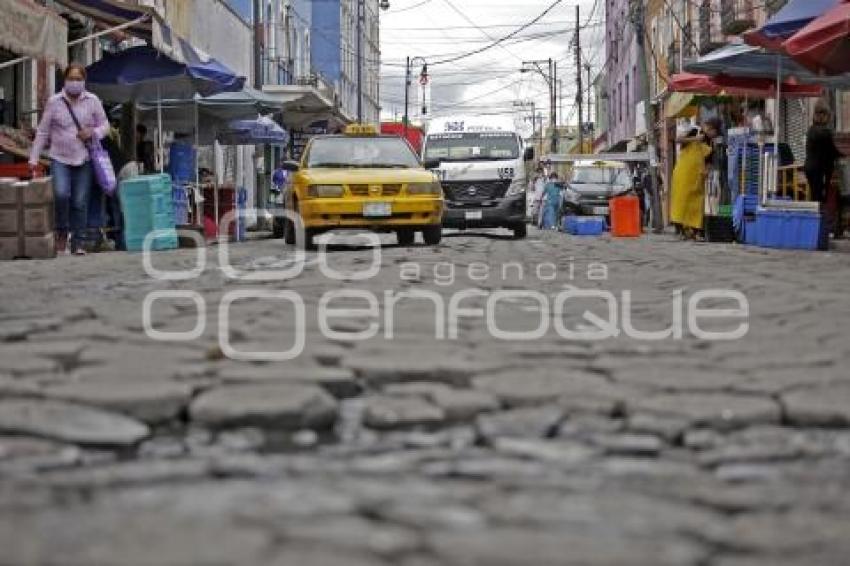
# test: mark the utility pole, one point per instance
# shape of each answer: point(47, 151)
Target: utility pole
point(290, 60)
point(258, 45)
point(553, 79)
point(406, 118)
point(637, 16)
point(360, 6)
point(579, 92)
point(591, 119)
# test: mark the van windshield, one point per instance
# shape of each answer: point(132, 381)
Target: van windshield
point(599, 176)
point(472, 146)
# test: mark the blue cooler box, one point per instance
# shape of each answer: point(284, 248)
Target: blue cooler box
point(584, 225)
point(790, 230)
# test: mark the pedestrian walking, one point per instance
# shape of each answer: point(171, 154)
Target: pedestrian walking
point(539, 188)
point(144, 149)
point(70, 164)
point(551, 203)
point(821, 154)
point(689, 174)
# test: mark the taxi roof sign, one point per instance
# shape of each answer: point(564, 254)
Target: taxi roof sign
point(361, 130)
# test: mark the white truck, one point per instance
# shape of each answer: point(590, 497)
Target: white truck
point(482, 165)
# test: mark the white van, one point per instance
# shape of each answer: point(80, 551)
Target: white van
point(481, 162)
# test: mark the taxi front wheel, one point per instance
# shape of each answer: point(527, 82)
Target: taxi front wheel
point(405, 237)
point(432, 235)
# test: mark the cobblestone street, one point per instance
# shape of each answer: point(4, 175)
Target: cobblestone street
point(419, 450)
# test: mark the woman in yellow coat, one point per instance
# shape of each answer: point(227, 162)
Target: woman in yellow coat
point(688, 186)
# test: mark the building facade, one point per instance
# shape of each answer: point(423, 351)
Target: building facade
point(622, 79)
point(334, 53)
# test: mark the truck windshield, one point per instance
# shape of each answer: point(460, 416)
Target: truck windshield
point(472, 146)
point(594, 176)
point(369, 152)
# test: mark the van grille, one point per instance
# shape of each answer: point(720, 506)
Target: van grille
point(475, 191)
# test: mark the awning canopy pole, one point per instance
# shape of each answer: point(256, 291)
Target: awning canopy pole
point(81, 40)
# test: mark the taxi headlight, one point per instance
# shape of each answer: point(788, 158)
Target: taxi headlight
point(517, 187)
point(424, 189)
point(324, 191)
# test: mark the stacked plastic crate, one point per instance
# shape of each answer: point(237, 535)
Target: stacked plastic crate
point(147, 205)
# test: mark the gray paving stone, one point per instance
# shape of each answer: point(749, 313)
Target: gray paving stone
point(355, 534)
point(392, 366)
point(70, 423)
point(518, 387)
point(628, 444)
point(286, 406)
point(152, 401)
point(528, 422)
point(513, 547)
point(819, 406)
point(17, 387)
point(339, 382)
point(387, 412)
point(464, 404)
point(715, 410)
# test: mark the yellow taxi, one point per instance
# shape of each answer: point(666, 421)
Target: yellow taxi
point(363, 180)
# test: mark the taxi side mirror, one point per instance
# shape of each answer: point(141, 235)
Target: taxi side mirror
point(431, 163)
point(529, 154)
point(291, 166)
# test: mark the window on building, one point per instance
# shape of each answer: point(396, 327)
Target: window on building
point(635, 93)
point(620, 101)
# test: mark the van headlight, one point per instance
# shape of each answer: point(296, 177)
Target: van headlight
point(324, 191)
point(517, 187)
point(424, 189)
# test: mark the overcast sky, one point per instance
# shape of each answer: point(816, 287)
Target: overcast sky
point(490, 81)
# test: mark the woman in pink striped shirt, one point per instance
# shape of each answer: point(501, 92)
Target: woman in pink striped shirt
point(70, 164)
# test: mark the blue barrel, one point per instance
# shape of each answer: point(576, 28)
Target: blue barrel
point(180, 198)
point(241, 205)
point(181, 162)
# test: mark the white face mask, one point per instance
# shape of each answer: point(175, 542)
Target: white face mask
point(74, 88)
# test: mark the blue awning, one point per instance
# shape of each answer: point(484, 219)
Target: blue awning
point(737, 60)
point(143, 73)
point(116, 13)
point(789, 20)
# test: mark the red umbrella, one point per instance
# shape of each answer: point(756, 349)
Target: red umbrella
point(738, 86)
point(824, 45)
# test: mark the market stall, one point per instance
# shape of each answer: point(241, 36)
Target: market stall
point(224, 119)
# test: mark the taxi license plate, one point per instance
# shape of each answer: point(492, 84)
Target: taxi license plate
point(474, 215)
point(600, 210)
point(377, 209)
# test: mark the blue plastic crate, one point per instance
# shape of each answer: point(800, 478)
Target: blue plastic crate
point(584, 225)
point(790, 230)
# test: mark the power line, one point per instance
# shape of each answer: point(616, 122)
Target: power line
point(487, 26)
point(483, 31)
point(400, 10)
point(501, 40)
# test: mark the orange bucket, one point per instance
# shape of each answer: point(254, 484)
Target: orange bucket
point(625, 216)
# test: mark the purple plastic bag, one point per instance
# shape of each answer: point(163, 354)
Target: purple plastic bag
point(104, 173)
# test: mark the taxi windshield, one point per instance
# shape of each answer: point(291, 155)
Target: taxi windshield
point(366, 152)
